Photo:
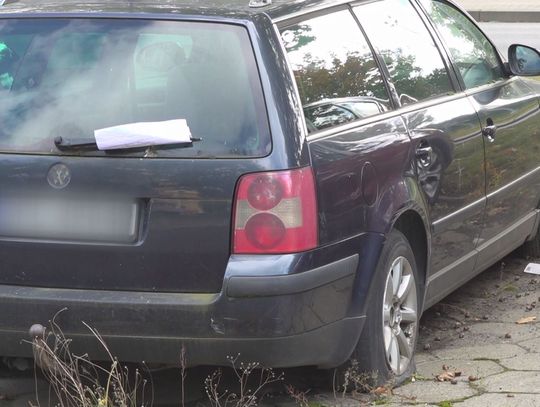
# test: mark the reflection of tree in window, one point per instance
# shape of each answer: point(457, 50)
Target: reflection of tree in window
point(355, 76)
point(332, 64)
point(411, 56)
point(295, 38)
point(414, 84)
point(471, 51)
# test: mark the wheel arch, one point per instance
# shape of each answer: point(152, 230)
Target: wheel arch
point(412, 225)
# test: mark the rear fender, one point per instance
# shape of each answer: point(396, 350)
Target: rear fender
point(397, 199)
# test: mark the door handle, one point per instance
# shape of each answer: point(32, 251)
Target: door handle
point(424, 154)
point(490, 131)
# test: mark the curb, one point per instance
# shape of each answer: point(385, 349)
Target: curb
point(506, 16)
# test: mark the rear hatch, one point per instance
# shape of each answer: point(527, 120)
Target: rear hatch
point(181, 109)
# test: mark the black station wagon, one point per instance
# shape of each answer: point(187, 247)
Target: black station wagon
point(293, 181)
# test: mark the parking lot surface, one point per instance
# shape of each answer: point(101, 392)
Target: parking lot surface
point(486, 335)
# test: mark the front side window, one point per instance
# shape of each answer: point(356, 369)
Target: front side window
point(472, 53)
point(337, 76)
point(71, 77)
point(411, 56)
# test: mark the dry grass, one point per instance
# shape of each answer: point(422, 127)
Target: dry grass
point(252, 380)
point(76, 381)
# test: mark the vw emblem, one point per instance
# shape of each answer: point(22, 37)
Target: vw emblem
point(59, 176)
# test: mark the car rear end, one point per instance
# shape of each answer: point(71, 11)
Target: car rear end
point(212, 244)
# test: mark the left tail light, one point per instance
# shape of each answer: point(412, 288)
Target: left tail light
point(275, 212)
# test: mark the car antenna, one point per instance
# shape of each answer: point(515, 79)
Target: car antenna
point(259, 3)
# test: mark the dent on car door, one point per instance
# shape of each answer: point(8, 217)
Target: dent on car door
point(449, 151)
point(509, 113)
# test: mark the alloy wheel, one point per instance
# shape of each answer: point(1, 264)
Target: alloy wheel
point(400, 315)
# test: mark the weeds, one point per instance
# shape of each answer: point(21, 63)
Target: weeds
point(251, 378)
point(78, 382)
point(355, 381)
point(300, 397)
point(183, 365)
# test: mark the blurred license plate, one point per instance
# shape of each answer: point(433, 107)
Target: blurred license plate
point(114, 221)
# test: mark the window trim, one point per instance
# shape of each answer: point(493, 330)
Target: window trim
point(462, 85)
point(288, 21)
point(383, 69)
point(321, 8)
point(424, 104)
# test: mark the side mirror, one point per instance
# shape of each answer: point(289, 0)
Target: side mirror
point(524, 60)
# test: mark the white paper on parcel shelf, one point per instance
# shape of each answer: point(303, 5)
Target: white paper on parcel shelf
point(533, 268)
point(143, 134)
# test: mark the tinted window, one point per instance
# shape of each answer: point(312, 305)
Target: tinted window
point(473, 54)
point(69, 78)
point(414, 62)
point(336, 73)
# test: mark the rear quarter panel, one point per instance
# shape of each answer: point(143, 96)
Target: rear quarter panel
point(365, 179)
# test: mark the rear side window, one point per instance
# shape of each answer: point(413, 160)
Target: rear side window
point(411, 56)
point(337, 76)
point(473, 54)
point(69, 78)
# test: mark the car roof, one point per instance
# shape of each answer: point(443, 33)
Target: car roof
point(277, 9)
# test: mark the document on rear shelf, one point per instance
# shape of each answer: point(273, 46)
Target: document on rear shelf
point(143, 134)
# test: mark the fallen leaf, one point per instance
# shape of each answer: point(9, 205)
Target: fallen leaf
point(525, 320)
point(445, 376)
point(381, 390)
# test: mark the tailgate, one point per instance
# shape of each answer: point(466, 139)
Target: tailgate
point(156, 225)
point(154, 216)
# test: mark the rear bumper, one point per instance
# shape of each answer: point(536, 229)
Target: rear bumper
point(271, 310)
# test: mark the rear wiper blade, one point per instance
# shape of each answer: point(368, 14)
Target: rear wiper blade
point(65, 144)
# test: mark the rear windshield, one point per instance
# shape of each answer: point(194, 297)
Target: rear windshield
point(70, 78)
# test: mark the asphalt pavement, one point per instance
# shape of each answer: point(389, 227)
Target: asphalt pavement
point(506, 34)
point(523, 11)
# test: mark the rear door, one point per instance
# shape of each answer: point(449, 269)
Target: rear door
point(509, 113)
point(151, 218)
point(448, 152)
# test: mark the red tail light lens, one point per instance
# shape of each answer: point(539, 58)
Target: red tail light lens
point(275, 212)
point(264, 193)
point(265, 230)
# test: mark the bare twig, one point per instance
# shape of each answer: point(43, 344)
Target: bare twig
point(75, 380)
point(247, 397)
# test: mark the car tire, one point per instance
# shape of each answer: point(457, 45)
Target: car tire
point(531, 248)
point(385, 350)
